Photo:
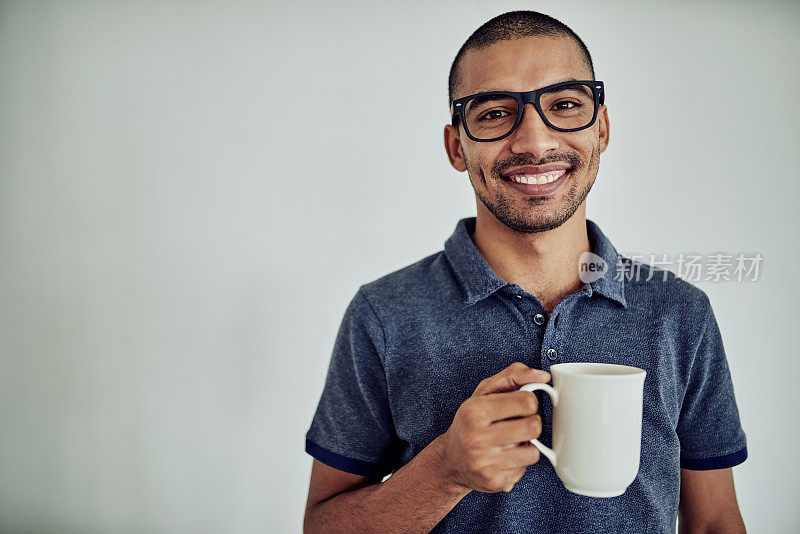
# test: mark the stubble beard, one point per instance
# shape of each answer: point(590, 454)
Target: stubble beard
point(533, 219)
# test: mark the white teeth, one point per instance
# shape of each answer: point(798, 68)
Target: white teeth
point(539, 179)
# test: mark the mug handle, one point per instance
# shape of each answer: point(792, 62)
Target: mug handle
point(547, 451)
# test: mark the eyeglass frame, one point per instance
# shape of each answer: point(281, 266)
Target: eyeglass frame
point(532, 97)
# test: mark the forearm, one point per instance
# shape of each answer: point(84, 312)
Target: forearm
point(730, 523)
point(414, 499)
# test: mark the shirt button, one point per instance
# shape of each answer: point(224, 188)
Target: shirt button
point(552, 354)
point(517, 296)
point(538, 319)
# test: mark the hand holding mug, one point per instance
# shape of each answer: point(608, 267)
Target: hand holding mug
point(485, 449)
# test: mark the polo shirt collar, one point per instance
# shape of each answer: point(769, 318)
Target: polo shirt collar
point(612, 285)
point(478, 281)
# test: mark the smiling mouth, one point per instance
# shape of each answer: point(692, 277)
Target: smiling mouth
point(538, 184)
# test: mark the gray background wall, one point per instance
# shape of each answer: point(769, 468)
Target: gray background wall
point(190, 194)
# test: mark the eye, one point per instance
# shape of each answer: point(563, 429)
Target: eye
point(566, 105)
point(495, 114)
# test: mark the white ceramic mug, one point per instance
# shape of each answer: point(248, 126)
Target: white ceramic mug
point(597, 426)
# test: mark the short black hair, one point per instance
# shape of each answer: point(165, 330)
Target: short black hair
point(512, 25)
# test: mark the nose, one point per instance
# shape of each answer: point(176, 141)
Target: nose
point(532, 135)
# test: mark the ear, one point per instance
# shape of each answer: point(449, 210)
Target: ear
point(605, 128)
point(452, 144)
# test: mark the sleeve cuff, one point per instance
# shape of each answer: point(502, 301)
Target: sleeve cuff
point(718, 462)
point(348, 465)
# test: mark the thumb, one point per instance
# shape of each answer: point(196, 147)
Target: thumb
point(511, 378)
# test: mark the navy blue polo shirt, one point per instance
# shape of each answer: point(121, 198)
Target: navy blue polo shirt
point(414, 344)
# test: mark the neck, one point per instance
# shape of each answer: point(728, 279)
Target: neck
point(545, 264)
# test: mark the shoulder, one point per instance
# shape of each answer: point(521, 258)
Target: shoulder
point(663, 292)
point(414, 282)
point(415, 289)
point(381, 306)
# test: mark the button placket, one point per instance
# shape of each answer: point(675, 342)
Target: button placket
point(521, 307)
point(550, 354)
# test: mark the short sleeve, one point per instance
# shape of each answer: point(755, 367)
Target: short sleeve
point(709, 430)
point(352, 429)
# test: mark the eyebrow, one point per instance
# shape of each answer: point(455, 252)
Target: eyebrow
point(554, 83)
point(582, 88)
point(486, 98)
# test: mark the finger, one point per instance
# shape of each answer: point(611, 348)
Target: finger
point(520, 455)
point(512, 377)
point(501, 406)
point(515, 431)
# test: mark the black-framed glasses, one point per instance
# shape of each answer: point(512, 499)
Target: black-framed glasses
point(494, 115)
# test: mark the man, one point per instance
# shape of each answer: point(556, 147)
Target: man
point(423, 382)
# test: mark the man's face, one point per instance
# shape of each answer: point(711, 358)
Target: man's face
point(522, 65)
